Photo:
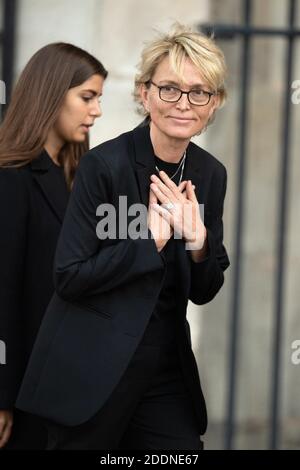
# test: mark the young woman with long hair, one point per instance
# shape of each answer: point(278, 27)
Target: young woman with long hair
point(44, 133)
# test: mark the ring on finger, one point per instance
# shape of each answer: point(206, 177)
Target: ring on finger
point(169, 206)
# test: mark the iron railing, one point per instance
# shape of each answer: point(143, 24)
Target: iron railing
point(7, 44)
point(246, 33)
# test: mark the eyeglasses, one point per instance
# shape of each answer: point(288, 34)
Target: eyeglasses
point(172, 94)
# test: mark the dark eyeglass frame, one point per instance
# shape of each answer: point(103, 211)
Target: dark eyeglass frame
point(209, 93)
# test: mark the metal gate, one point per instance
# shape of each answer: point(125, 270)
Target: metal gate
point(246, 33)
point(7, 44)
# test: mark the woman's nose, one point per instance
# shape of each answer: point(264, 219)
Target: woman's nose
point(96, 111)
point(183, 102)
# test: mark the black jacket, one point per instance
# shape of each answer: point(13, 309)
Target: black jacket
point(33, 200)
point(107, 289)
point(32, 206)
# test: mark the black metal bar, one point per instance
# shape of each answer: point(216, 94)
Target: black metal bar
point(281, 241)
point(239, 217)
point(8, 44)
point(223, 31)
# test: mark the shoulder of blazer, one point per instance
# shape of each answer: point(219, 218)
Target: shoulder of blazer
point(41, 163)
point(18, 183)
point(15, 186)
point(198, 155)
point(23, 173)
point(108, 157)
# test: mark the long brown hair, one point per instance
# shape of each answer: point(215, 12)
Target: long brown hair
point(36, 102)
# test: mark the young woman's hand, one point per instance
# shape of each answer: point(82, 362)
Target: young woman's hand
point(6, 422)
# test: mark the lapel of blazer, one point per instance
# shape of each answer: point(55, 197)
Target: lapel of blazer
point(195, 171)
point(44, 177)
point(145, 162)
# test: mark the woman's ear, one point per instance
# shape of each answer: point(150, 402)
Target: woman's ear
point(144, 94)
point(215, 103)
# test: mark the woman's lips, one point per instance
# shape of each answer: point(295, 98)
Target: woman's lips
point(180, 119)
point(86, 127)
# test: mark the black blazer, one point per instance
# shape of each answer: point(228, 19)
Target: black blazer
point(32, 206)
point(107, 289)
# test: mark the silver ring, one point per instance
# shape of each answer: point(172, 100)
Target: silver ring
point(169, 206)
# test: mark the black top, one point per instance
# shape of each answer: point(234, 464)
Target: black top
point(170, 169)
point(161, 328)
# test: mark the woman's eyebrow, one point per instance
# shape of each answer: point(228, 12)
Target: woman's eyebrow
point(172, 82)
point(88, 90)
point(169, 82)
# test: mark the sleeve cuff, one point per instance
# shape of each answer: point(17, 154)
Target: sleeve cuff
point(210, 249)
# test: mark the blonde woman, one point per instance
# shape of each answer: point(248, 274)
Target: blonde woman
point(113, 366)
point(43, 136)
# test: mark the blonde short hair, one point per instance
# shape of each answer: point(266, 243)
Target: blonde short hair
point(179, 44)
